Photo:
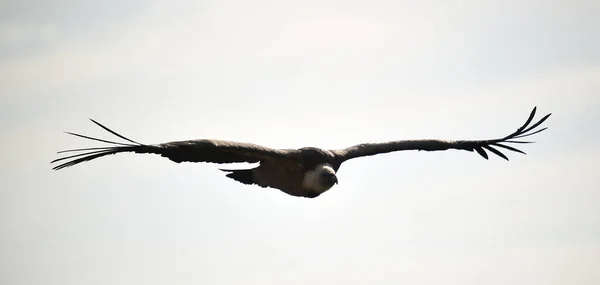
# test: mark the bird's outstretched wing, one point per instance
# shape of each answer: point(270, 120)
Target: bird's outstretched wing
point(480, 146)
point(204, 150)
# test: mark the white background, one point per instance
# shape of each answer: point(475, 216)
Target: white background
point(290, 74)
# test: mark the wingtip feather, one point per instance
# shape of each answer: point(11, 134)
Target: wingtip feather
point(525, 130)
point(481, 152)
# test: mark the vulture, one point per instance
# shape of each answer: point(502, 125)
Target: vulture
point(304, 172)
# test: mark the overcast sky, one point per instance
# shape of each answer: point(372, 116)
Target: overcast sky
point(292, 74)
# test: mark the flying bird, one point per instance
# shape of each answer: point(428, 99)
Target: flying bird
point(305, 172)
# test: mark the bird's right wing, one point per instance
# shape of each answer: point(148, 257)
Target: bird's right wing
point(202, 150)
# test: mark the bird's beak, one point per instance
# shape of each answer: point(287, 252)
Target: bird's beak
point(335, 179)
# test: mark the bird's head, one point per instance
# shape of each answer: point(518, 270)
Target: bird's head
point(320, 179)
point(327, 177)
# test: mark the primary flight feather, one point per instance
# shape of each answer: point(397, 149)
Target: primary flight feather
point(305, 172)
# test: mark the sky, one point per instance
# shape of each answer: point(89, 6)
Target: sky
point(289, 74)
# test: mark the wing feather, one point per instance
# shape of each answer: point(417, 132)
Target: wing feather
point(479, 146)
point(495, 151)
point(203, 150)
point(481, 152)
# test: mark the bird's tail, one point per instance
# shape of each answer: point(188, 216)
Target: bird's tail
point(87, 154)
point(240, 175)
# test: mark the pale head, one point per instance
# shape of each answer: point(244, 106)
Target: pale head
point(320, 179)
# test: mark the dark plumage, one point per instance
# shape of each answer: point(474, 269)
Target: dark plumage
point(305, 172)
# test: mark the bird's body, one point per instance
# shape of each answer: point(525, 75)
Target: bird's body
point(305, 172)
point(291, 178)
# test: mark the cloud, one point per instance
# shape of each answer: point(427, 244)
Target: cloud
point(15, 34)
point(212, 38)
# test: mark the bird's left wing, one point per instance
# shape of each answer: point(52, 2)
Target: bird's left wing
point(202, 150)
point(480, 146)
